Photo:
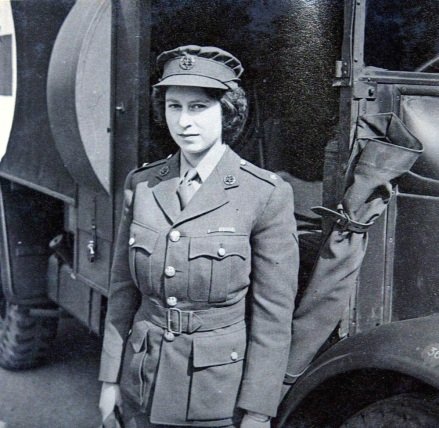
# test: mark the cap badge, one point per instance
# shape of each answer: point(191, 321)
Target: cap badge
point(187, 62)
point(164, 170)
point(229, 180)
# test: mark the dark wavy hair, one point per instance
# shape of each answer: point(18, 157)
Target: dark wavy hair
point(234, 109)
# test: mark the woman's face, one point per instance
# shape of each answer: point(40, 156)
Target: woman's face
point(194, 119)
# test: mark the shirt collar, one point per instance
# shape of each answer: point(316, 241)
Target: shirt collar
point(207, 164)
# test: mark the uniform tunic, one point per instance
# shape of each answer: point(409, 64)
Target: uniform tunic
point(237, 236)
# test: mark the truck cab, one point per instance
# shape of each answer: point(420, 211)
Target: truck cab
point(380, 366)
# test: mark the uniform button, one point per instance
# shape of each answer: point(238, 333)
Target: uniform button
point(169, 336)
point(234, 356)
point(170, 271)
point(273, 176)
point(132, 241)
point(221, 252)
point(174, 236)
point(171, 301)
point(243, 162)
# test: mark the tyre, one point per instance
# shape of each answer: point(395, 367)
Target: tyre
point(25, 339)
point(405, 410)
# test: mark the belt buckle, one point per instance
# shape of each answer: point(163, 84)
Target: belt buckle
point(169, 320)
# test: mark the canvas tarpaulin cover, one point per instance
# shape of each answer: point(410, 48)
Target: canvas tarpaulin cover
point(383, 151)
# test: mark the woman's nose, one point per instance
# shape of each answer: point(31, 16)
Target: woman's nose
point(184, 120)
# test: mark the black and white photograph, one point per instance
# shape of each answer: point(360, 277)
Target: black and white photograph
point(219, 213)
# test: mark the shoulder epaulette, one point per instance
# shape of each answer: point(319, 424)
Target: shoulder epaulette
point(260, 173)
point(147, 165)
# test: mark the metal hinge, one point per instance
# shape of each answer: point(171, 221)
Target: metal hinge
point(341, 69)
point(342, 74)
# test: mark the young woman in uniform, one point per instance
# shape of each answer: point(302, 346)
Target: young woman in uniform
point(204, 273)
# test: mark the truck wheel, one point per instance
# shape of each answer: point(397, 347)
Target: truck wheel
point(404, 410)
point(25, 339)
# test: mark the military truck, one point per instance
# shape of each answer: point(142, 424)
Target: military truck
point(75, 114)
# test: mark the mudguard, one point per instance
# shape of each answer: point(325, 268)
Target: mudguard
point(410, 347)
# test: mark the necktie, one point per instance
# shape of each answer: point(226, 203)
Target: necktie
point(185, 189)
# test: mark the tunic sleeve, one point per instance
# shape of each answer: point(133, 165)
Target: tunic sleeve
point(123, 298)
point(275, 261)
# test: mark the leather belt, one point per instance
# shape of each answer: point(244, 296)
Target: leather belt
point(178, 321)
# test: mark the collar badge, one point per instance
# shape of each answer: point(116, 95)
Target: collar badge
point(164, 170)
point(229, 180)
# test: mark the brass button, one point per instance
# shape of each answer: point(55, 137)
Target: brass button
point(234, 356)
point(221, 252)
point(169, 336)
point(243, 162)
point(170, 271)
point(174, 236)
point(171, 301)
point(132, 241)
point(273, 176)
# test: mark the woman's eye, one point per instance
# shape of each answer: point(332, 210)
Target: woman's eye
point(195, 107)
point(173, 106)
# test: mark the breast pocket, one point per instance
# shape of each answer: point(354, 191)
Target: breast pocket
point(218, 362)
point(142, 242)
point(218, 265)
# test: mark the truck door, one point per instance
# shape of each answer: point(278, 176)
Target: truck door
point(391, 64)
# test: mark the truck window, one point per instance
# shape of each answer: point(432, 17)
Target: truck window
point(402, 35)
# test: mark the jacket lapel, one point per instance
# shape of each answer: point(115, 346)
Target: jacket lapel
point(213, 192)
point(165, 192)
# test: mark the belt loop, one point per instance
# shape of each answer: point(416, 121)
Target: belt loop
point(189, 321)
point(193, 322)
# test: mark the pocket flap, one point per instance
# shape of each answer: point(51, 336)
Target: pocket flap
point(219, 246)
point(143, 237)
point(138, 336)
point(215, 350)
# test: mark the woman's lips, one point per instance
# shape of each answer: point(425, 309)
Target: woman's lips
point(188, 135)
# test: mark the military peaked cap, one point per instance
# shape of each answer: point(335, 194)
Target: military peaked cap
point(201, 66)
